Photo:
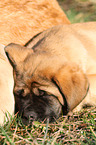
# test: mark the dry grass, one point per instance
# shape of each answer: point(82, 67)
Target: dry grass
point(80, 128)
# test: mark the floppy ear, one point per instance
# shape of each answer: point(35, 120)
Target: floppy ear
point(73, 85)
point(17, 53)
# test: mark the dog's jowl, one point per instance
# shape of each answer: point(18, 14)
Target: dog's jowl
point(53, 72)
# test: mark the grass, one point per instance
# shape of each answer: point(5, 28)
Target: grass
point(79, 10)
point(77, 129)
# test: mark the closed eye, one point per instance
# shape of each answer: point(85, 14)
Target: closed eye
point(38, 92)
point(41, 92)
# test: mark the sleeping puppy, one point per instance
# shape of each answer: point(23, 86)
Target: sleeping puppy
point(19, 21)
point(6, 86)
point(55, 72)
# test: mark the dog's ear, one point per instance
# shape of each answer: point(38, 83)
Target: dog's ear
point(72, 84)
point(17, 53)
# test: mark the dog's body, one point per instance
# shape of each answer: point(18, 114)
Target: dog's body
point(19, 21)
point(6, 86)
point(56, 73)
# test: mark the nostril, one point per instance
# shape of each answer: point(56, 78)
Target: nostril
point(24, 117)
point(28, 117)
point(31, 118)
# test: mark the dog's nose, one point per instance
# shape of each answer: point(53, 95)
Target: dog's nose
point(28, 117)
point(31, 118)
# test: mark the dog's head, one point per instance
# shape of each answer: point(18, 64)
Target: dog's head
point(42, 89)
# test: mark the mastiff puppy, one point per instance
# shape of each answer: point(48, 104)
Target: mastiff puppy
point(19, 21)
point(55, 72)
